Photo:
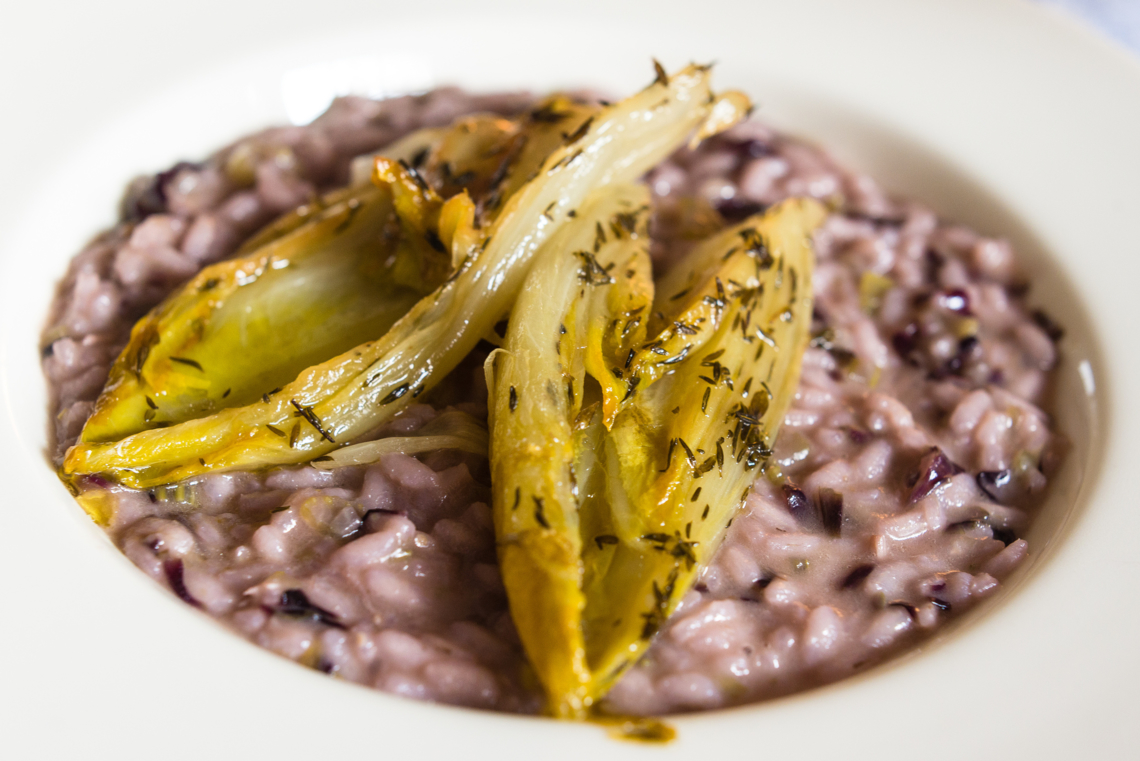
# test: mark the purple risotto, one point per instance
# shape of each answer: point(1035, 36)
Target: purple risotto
point(910, 461)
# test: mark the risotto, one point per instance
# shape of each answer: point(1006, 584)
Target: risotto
point(896, 496)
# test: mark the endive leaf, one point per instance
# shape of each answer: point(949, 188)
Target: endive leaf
point(246, 326)
point(453, 429)
point(537, 386)
point(702, 422)
point(601, 531)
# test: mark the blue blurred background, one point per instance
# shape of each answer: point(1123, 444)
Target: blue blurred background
point(1119, 19)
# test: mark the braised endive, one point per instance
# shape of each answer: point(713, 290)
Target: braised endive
point(626, 422)
point(605, 514)
point(332, 403)
point(246, 326)
point(591, 275)
point(316, 282)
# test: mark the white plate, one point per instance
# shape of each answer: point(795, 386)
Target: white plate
point(997, 113)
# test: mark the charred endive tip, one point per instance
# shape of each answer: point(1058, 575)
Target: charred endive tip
point(729, 109)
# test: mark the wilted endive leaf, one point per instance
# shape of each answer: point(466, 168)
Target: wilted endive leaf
point(244, 327)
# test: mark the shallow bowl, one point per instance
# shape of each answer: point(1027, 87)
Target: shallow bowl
point(996, 113)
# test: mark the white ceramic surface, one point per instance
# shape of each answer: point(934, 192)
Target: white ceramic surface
point(998, 113)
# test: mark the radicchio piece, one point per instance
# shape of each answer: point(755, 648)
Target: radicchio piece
point(905, 342)
point(934, 468)
point(174, 571)
point(148, 197)
point(888, 220)
point(969, 348)
point(798, 504)
point(759, 585)
point(831, 510)
point(856, 577)
point(295, 603)
point(374, 512)
point(818, 322)
point(992, 481)
point(736, 210)
point(97, 481)
point(1006, 536)
point(749, 148)
point(380, 511)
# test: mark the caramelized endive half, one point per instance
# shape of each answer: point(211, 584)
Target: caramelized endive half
point(605, 512)
point(332, 403)
point(246, 326)
point(583, 281)
point(706, 423)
